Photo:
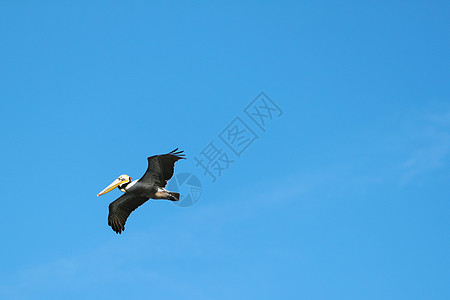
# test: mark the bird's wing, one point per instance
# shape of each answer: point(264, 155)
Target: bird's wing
point(120, 209)
point(160, 167)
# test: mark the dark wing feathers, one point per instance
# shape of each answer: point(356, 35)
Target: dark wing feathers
point(120, 209)
point(160, 167)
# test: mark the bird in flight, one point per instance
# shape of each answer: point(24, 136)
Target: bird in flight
point(137, 192)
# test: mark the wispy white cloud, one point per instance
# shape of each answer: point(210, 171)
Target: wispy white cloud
point(140, 258)
point(77, 272)
point(429, 144)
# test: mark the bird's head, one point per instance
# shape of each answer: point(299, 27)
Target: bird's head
point(122, 179)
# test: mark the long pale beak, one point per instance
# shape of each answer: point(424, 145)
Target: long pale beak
point(110, 187)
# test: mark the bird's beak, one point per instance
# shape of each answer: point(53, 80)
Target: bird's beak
point(110, 187)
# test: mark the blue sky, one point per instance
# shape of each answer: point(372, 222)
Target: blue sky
point(344, 196)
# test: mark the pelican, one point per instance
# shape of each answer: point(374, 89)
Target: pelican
point(137, 192)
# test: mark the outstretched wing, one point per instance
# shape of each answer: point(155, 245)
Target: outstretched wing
point(120, 209)
point(160, 167)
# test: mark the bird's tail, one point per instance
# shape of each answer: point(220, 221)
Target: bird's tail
point(173, 196)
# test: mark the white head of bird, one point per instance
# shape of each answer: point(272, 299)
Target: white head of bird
point(122, 179)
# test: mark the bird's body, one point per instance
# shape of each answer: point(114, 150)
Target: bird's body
point(138, 188)
point(150, 186)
